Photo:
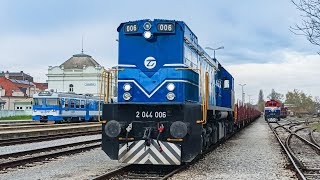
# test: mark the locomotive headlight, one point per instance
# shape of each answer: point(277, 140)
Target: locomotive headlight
point(147, 34)
point(127, 96)
point(112, 128)
point(127, 87)
point(171, 87)
point(171, 96)
point(178, 129)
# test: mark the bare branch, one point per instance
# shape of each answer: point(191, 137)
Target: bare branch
point(310, 25)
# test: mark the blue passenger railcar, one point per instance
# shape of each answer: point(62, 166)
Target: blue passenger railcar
point(55, 107)
point(174, 100)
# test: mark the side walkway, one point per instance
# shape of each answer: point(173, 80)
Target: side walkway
point(254, 153)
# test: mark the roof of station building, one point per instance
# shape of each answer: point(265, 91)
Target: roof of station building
point(79, 61)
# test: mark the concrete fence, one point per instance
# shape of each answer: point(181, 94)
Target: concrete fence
point(8, 113)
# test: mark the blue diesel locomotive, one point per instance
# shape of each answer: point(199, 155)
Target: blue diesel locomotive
point(58, 107)
point(174, 100)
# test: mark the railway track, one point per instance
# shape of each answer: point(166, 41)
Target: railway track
point(26, 126)
point(2, 125)
point(19, 135)
point(8, 142)
point(134, 171)
point(299, 144)
point(15, 122)
point(12, 160)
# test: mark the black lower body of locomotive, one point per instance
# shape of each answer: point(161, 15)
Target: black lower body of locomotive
point(159, 133)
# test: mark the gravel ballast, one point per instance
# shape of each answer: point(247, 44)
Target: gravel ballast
point(86, 165)
point(253, 153)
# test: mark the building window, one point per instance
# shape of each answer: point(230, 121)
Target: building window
point(71, 87)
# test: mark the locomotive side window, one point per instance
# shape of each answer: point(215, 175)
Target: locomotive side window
point(226, 84)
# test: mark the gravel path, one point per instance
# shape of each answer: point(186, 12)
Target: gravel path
point(254, 153)
point(81, 166)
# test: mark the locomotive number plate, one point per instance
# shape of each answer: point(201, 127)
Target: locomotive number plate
point(151, 114)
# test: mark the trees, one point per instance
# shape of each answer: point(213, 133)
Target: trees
point(300, 102)
point(261, 101)
point(275, 96)
point(310, 25)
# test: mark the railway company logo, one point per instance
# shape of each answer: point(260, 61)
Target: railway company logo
point(150, 62)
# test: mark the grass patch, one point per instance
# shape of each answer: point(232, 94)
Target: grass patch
point(315, 126)
point(17, 117)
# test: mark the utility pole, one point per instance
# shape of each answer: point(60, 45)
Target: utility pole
point(214, 50)
point(249, 98)
point(242, 92)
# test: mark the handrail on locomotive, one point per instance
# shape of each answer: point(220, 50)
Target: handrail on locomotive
point(204, 94)
point(106, 82)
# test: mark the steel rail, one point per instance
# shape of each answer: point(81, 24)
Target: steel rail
point(303, 167)
point(131, 171)
point(313, 145)
point(114, 173)
point(313, 139)
point(33, 151)
point(174, 172)
point(299, 172)
point(295, 158)
point(43, 126)
point(22, 161)
point(8, 142)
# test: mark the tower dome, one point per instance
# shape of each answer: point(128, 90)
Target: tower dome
point(79, 61)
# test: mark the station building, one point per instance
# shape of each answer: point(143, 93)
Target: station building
point(80, 74)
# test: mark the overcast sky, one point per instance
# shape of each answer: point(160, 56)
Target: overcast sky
point(259, 48)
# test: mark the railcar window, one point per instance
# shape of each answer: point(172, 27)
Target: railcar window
point(66, 103)
point(82, 104)
point(71, 103)
point(61, 102)
point(38, 101)
point(77, 103)
point(51, 102)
